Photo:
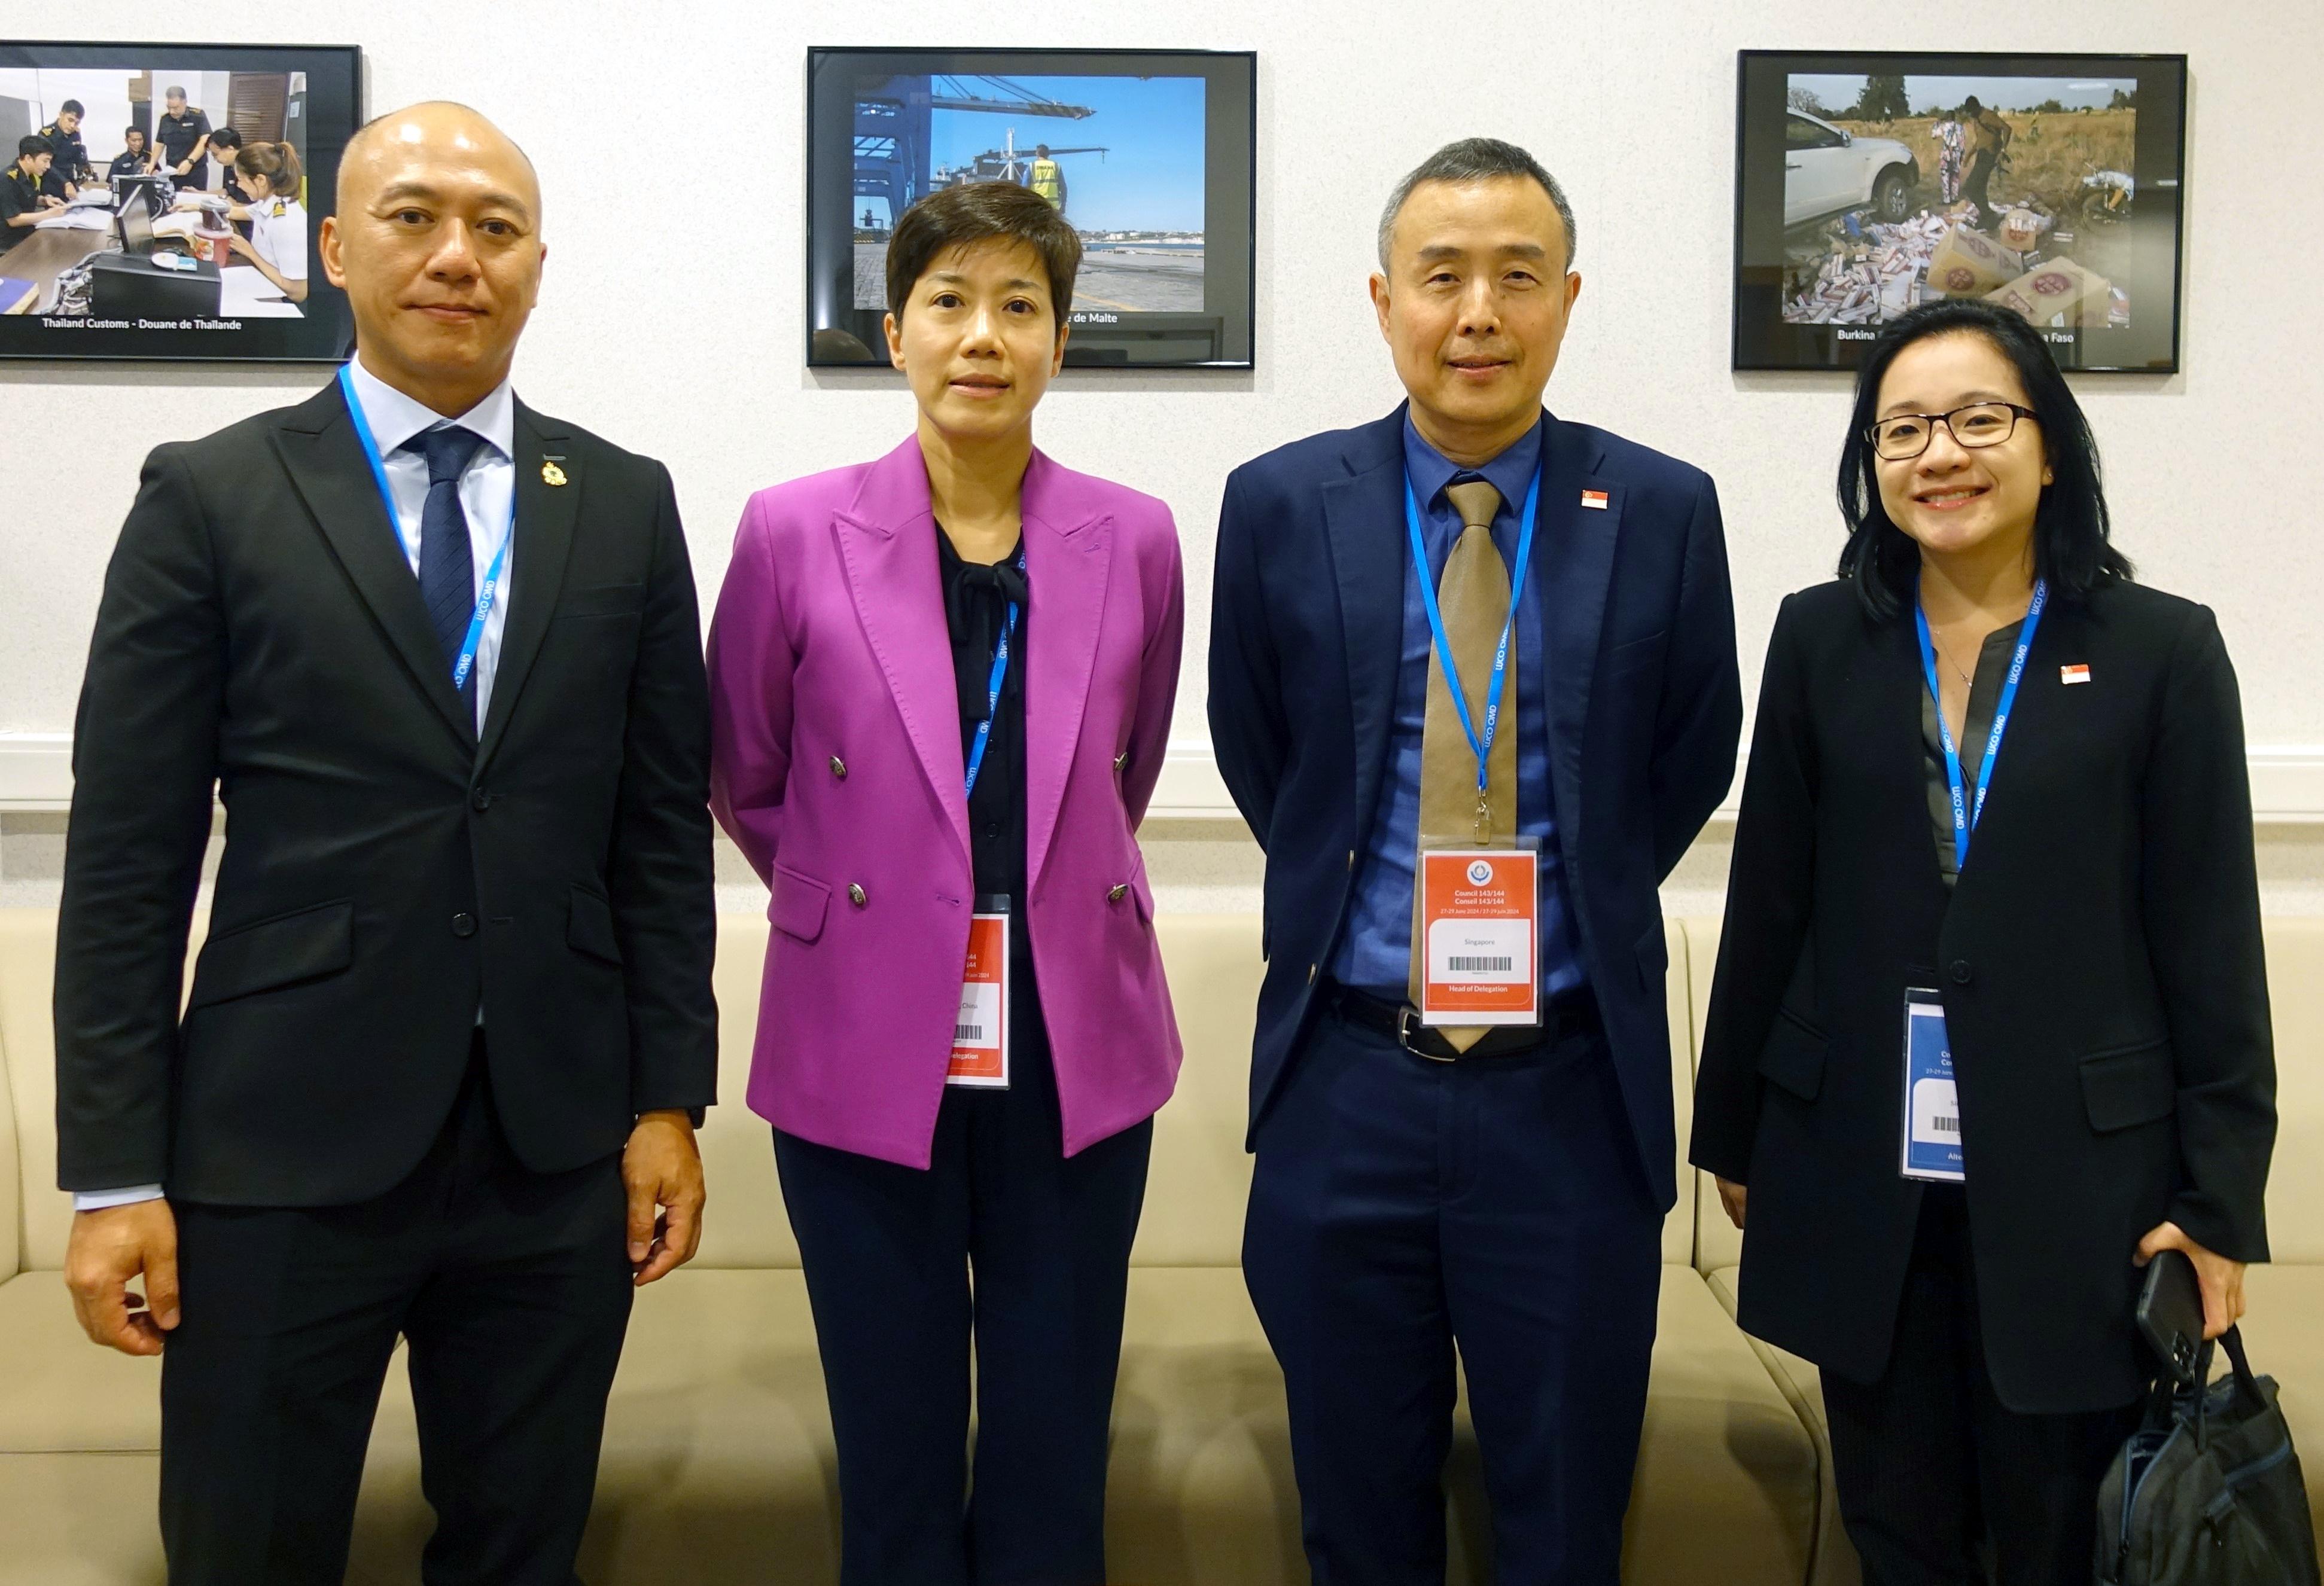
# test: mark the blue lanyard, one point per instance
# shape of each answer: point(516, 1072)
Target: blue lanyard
point(992, 690)
point(1483, 744)
point(486, 596)
point(1966, 814)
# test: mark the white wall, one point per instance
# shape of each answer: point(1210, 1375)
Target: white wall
point(104, 98)
point(1633, 106)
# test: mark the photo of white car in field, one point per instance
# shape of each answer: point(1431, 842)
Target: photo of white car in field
point(1899, 188)
point(1828, 172)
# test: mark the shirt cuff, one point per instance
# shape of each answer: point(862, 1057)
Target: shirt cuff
point(100, 1200)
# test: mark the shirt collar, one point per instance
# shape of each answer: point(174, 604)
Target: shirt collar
point(1511, 471)
point(395, 418)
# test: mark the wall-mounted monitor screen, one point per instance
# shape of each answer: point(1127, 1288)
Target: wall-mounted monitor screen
point(1148, 153)
point(139, 229)
point(1868, 184)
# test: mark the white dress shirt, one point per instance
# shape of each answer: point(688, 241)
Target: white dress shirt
point(487, 492)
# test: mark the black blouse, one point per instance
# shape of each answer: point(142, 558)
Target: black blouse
point(2000, 648)
point(976, 607)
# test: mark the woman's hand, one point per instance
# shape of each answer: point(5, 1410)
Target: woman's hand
point(1732, 1196)
point(240, 246)
point(2222, 1280)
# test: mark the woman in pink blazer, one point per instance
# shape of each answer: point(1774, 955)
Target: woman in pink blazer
point(942, 687)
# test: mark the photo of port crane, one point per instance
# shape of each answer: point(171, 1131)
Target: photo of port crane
point(1131, 180)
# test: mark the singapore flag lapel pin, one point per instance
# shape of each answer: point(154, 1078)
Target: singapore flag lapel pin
point(2073, 674)
point(1594, 499)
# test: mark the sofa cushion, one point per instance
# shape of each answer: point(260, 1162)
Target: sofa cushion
point(1801, 1384)
point(1200, 1175)
point(1728, 1477)
point(27, 969)
point(80, 1520)
point(62, 1393)
point(718, 1456)
point(2295, 1178)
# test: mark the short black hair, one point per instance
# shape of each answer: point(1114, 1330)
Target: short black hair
point(1970, 104)
point(226, 137)
point(2070, 526)
point(951, 219)
point(133, 132)
point(71, 108)
point(32, 146)
point(1477, 160)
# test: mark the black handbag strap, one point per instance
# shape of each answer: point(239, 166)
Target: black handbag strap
point(2247, 1384)
point(2248, 1397)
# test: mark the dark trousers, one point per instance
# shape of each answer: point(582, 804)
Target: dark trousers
point(890, 1252)
point(1402, 1210)
point(1934, 1473)
point(1976, 188)
point(513, 1290)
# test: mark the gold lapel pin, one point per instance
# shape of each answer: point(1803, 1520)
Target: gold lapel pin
point(550, 474)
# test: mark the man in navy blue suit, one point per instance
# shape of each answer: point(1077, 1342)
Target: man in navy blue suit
point(1423, 1187)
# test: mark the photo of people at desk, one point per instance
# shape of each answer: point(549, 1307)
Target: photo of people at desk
point(152, 194)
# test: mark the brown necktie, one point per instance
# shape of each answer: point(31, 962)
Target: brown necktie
point(1474, 597)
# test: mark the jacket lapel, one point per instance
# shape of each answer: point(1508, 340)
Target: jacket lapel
point(545, 517)
point(886, 544)
point(317, 443)
point(1363, 517)
point(1573, 558)
point(1068, 559)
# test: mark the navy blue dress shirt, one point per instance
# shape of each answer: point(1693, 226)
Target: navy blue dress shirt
point(1375, 955)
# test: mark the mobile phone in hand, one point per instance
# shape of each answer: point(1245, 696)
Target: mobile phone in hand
point(2171, 1314)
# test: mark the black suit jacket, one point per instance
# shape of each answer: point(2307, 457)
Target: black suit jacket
point(1644, 708)
point(2100, 966)
point(386, 871)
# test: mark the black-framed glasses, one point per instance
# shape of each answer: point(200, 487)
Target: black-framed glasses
point(1902, 436)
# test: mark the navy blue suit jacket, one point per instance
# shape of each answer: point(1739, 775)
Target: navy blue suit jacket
point(1644, 708)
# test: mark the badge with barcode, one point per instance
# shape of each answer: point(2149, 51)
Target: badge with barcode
point(980, 1032)
point(1480, 907)
point(1933, 1132)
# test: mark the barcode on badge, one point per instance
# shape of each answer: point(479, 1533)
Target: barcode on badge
point(1457, 965)
point(1941, 1124)
point(968, 1035)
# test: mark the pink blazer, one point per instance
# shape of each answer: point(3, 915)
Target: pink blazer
point(836, 769)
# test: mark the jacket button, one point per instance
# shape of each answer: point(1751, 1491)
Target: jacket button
point(1120, 890)
point(464, 925)
point(855, 895)
point(480, 801)
point(1962, 973)
point(1311, 974)
point(839, 768)
point(1121, 760)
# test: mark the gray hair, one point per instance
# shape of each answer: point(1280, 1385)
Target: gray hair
point(1477, 160)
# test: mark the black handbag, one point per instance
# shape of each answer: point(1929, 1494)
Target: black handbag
point(2207, 1492)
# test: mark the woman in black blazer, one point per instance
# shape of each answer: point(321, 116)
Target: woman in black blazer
point(2094, 968)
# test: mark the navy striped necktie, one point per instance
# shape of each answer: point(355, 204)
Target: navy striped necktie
point(447, 568)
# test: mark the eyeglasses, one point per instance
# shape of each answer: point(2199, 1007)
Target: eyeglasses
point(1902, 436)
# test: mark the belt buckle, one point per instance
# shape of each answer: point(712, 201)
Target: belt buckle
point(1407, 1021)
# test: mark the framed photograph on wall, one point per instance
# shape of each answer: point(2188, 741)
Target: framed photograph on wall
point(160, 202)
point(1149, 154)
point(1868, 183)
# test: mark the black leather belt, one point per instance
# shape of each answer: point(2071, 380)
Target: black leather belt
point(1573, 1014)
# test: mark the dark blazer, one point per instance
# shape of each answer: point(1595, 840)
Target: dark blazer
point(2100, 962)
point(386, 873)
point(1644, 712)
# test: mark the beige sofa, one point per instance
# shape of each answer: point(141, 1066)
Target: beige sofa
point(717, 1464)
